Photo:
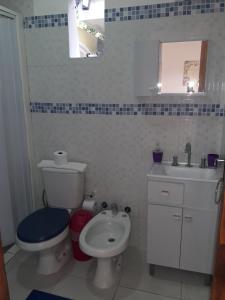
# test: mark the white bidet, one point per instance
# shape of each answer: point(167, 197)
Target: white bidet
point(105, 237)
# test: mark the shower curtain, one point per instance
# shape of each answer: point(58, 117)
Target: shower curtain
point(15, 182)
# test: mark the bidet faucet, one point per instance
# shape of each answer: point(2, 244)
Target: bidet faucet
point(188, 151)
point(115, 209)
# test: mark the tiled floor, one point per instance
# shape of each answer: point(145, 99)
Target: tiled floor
point(134, 282)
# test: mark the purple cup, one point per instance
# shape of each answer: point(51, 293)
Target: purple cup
point(157, 156)
point(212, 163)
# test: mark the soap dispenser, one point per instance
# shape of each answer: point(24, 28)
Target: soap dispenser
point(157, 154)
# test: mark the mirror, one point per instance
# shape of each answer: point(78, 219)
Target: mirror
point(86, 28)
point(182, 67)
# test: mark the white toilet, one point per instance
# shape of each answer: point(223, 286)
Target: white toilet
point(105, 237)
point(47, 230)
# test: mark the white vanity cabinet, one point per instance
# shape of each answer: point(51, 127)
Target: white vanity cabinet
point(182, 223)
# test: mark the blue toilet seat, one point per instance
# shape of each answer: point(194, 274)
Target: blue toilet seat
point(43, 225)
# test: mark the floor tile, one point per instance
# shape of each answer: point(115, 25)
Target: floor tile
point(6, 248)
point(14, 249)
point(135, 275)
point(16, 289)
point(22, 271)
point(8, 257)
point(129, 294)
point(195, 292)
point(22, 258)
point(83, 269)
point(18, 293)
point(81, 289)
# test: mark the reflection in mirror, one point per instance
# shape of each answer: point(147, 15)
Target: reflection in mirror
point(183, 67)
point(86, 28)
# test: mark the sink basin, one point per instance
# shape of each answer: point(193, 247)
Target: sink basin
point(182, 172)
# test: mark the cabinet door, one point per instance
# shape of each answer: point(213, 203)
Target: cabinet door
point(146, 69)
point(164, 235)
point(198, 240)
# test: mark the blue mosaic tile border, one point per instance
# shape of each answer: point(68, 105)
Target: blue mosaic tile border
point(131, 13)
point(149, 109)
point(58, 20)
point(160, 10)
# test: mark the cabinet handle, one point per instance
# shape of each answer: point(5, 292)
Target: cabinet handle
point(188, 218)
point(177, 217)
point(219, 190)
point(165, 193)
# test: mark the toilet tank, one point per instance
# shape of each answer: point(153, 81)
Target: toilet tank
point(64, 185)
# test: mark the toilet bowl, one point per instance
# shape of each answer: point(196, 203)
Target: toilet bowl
point(105, 237)
point(46, 231)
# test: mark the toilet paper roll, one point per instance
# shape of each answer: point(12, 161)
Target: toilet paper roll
point(90, 205)
point(60, 157)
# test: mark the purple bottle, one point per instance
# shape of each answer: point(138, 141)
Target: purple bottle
point(212, 157)
point(157, 154)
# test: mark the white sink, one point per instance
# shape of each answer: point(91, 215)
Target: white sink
point(182, 172)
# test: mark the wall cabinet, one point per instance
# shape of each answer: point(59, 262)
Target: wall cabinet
point(159, 67)
point(146, 68)
point(178, 235)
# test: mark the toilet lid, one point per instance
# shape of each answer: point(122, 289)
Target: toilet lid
point(42, 225)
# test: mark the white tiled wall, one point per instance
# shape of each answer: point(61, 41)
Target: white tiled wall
point(55, 76)
point(118, 148)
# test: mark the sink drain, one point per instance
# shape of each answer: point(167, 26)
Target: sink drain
point(111, 240)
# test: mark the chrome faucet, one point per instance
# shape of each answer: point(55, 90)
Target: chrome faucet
point(115, 209)
point(188, 151)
